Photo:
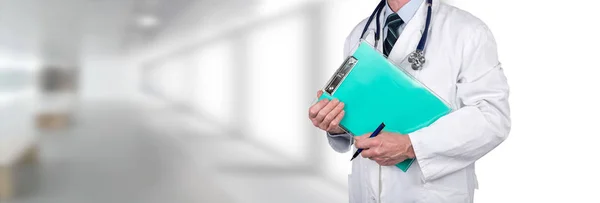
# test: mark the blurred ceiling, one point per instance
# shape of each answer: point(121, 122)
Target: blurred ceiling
point(62, 31)
point(65, 32)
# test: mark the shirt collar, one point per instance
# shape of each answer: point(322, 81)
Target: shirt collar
point(406, 12)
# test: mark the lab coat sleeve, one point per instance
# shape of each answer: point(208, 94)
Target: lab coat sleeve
point(482, 121)
point(340, 142)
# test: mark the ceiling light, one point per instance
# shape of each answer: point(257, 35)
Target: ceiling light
point(147, 21)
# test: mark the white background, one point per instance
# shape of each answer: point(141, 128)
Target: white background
point(549, 53)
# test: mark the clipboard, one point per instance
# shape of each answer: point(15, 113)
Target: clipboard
point(374, 90)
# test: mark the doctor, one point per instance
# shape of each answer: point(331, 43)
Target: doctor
point(462, 67)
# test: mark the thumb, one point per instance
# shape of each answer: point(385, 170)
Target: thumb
point(319, 93)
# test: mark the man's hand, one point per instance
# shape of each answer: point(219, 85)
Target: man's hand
point(387, 149)
point(327, 115)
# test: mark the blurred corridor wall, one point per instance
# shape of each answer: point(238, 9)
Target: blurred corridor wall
point(108, 77)
point(257, 72)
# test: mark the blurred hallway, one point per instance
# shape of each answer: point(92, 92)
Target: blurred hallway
point(125, 152)
point(91, 72)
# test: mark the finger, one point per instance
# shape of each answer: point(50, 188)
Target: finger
point(314, 109)
point(385, 163)
point(325, 110)
point(335, 124)
point(359, 141)
point(368, 143)
point(382, 162)
point(333, 114)
point(379, 160)
point(314, 122)
point(391, 162)
point(371, 153)
point(362, 137)
point(319, 93)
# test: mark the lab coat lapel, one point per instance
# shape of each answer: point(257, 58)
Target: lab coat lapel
point(370, 37)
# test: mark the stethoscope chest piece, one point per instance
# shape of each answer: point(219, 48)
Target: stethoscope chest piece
point(416, 59)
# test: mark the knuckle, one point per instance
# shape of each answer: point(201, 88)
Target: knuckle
point(330, 127)
point(341, 115)
point(322, 113)
point(377, 152)
point(329, 117)
point(312, 111)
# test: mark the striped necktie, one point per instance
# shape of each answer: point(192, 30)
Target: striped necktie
point(393, 23)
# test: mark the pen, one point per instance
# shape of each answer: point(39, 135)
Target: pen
point(374, 134)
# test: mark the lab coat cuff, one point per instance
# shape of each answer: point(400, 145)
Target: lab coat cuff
point(421, 156)
point(340, 142)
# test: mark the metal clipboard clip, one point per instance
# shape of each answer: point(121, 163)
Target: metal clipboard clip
point(339, 76)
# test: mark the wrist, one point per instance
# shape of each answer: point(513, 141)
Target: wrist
point(410, 151)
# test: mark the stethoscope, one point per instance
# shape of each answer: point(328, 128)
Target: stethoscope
point(417, 57)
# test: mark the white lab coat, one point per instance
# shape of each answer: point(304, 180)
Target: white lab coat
point(463, 68)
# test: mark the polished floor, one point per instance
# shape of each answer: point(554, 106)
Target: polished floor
point(120, 152)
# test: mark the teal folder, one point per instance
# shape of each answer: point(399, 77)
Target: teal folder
point(374, 90)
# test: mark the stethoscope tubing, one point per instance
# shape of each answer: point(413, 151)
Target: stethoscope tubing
point(418, 58)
